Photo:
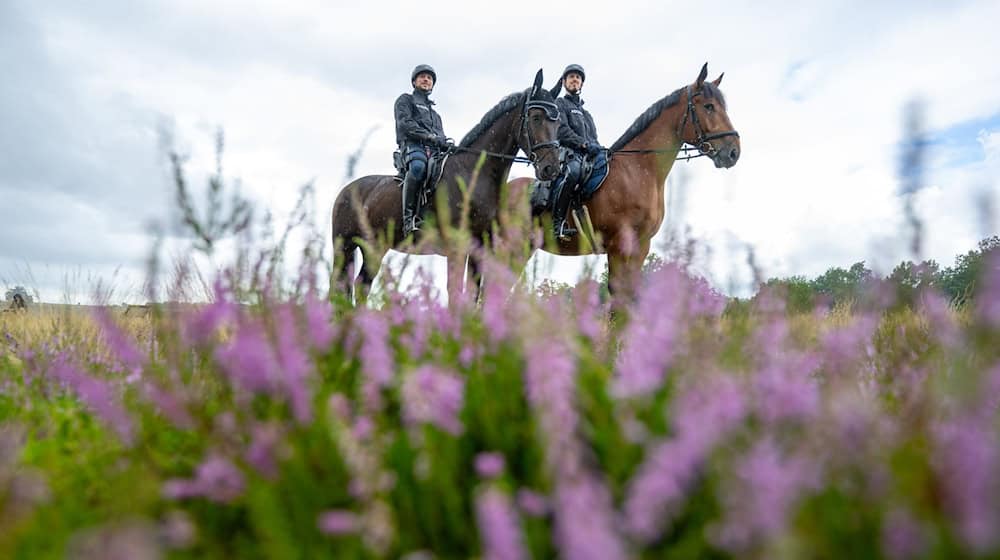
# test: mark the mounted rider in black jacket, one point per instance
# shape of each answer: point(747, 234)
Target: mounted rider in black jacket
point(419, 134)
point(578, 133)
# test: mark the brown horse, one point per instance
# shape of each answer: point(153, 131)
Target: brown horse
point(627, 210)
point(371, 206)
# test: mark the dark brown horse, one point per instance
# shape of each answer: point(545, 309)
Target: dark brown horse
point(371, 206)
point(626, 212)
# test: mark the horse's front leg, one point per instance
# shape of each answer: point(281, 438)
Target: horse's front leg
point(624, 276)
point(456, 278)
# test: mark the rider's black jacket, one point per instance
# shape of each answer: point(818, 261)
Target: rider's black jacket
point(416, 119)
point(576, 126)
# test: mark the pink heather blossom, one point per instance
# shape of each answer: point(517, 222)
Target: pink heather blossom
point(532, 503)
point(168, 404)
point(787, 390)
point(589, 311)
point(121, 343)
point(99, 396)
point(583, 512)
point(489, 465)
point(249, 360)
point(434, 396)
point(265, 445)
point(967, 460)
point(376, 356)
point(498, 281)
point(703, 414)
point(338, 522)
point(758, 502)
point(296, 366)
point(201, 326)
point(216, 479)
point(319, 322)
point(653, 337)
point(903, 537)
point(844, 347)
point(585, 528)
point(499, 527)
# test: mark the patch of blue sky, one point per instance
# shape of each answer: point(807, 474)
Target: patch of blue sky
point(959, 145)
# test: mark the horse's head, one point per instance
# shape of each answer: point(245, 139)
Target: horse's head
point(706, 124)
point(539, 137)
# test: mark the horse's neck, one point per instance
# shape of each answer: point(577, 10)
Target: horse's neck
point(660, 137)
point(499, 139)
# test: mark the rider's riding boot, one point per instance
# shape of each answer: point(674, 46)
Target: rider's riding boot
point(560, 225)
point(411, 189)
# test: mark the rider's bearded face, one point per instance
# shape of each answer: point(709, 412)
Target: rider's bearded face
point(423, 81)
point(573, 82)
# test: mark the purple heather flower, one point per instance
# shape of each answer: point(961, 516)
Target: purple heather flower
point(201, 325)
point(584, 523)
point(98, 395)
point(499, 528)
point(550, 383)
point(703, 414)
point(296, 365)
point(903, 537)
point(338, 522)
point(263, 450)
point(168, 404)
point(216, 479)
point(120, 342)
point(376, 356)
point(847, 345)
point(489, 465)
point(758, 504)
point(319, 321)
point(364, 428)
point(653, 336)
point(967, 459)
point(498, 281)
point(532, 503)
point(433, 396)
point(787, 391)
point(249, 360)
point(589, 311)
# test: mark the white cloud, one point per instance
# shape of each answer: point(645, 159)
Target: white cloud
point(816, 94)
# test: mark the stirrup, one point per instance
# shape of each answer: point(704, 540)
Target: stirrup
point(565, 231)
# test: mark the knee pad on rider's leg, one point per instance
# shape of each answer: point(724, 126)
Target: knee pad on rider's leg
point(417, 170)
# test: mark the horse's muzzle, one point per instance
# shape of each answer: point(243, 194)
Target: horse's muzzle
point(726, 157)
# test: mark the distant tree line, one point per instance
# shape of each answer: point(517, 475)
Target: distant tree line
point(858, 284)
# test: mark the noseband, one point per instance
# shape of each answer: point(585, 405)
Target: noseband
point(704, 144)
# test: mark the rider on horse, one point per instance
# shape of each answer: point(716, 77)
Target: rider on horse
point(420, 135)
point(578, 133)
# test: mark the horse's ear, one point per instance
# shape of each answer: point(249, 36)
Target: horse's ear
point(702, 75)
point(538, 83)
point(556, 89)
point(718, 80)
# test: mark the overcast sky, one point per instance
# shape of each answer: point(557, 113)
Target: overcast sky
point(817, 92)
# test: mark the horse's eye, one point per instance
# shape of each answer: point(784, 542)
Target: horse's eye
point(709, 107)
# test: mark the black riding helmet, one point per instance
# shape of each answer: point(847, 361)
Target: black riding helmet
point(575, 68)
point(423, 68)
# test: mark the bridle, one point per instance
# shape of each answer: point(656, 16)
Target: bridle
point(704, 144)
point(551, 113)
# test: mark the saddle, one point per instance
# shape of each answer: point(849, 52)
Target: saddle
point(435, 169)
point(593, 171)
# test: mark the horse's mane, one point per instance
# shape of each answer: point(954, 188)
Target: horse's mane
point(708, 89)
point(506, 104)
